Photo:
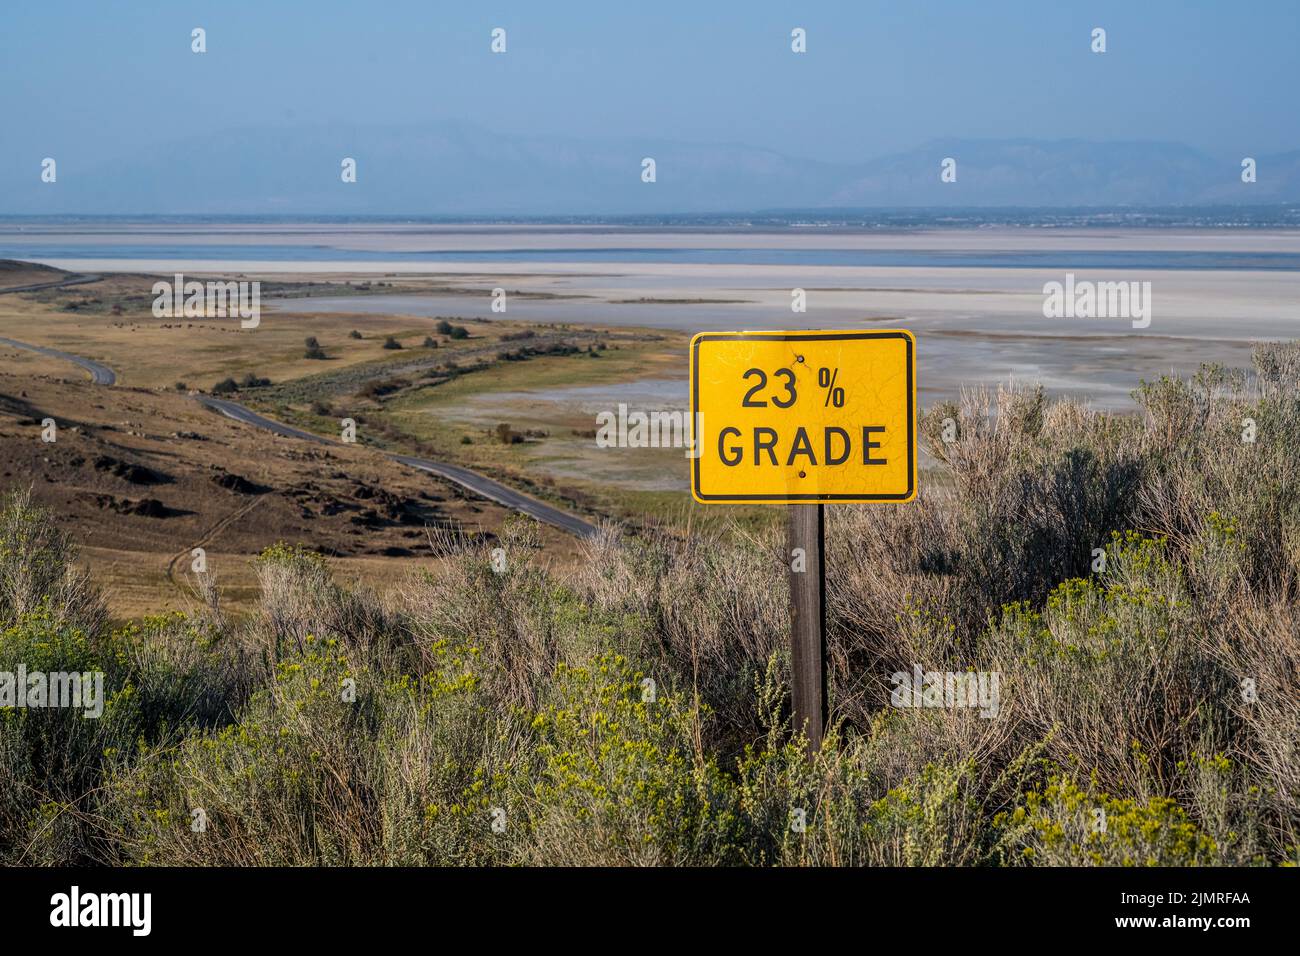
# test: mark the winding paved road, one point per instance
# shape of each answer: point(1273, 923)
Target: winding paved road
point(470, 480)
point(515, 500)
point(102, 374)
point(249, 417)
point(78, 279)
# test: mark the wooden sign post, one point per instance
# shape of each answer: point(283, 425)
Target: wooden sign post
point(803, 419)
point(808, 633)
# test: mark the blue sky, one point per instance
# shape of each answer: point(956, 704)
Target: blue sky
point(101, 78)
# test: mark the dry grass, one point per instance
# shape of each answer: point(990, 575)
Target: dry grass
point(493, 711)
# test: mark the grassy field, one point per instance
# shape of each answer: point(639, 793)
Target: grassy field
point(558, 442)
point(444, 402)
point(415, 399)
point(112, 321)
point(141, 477)
point(412, 398)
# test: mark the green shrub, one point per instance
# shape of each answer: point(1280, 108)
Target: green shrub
point(52, 759)
point(328, 765)
point(38, 570)
point(1069, 826)
point(620, 782)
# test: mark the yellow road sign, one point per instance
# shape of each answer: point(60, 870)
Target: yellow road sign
point(799, 417)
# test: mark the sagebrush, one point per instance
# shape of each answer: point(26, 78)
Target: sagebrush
point(636, 712)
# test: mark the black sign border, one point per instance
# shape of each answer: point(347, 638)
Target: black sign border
point(907, 337)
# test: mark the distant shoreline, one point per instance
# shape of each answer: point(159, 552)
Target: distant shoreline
point(901, 219)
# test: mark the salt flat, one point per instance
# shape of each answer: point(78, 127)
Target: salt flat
point(975, 324)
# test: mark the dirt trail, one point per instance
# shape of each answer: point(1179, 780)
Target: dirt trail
point(207, 536)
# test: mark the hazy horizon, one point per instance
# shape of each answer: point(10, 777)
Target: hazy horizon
point(559, 123)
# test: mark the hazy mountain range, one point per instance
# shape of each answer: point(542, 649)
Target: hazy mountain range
point(462, 169)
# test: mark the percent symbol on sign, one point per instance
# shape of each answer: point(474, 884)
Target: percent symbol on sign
point(834, 393)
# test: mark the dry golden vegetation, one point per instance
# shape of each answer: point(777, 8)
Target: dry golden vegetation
point(409, 382)
point(141, 477)
point(495, 713)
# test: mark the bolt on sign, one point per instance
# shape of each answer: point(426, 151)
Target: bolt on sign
point(803, 417)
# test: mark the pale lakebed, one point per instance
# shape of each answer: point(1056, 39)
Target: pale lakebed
point(973, 296)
